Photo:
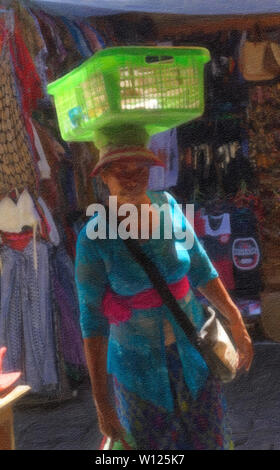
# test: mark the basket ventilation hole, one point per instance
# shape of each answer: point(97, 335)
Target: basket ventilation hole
point(152, 58)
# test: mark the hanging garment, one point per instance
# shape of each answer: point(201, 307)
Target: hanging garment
point(246, 253)
point(13, 217)
point(239, 169)
point(28, 80)
point(78, 37)
point(84, 37)
point(68, 308)
point(73, 57)
point(26, 323)
point(186, 179)
point(16, 161)
point(39, 56)
point(165, 146)
point(17, 241)
point(44, 168)
point(95, 40)
point(215, 233)
point(53, 232)
point(206, 173)
point(50, 189)
point(31, 36)
point(250, 201)
point(67, 183)
point(53, 32)
point(84, 156)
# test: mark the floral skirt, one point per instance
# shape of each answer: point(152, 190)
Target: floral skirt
point(199, 424)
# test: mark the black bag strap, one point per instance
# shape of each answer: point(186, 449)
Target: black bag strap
point(162, 287)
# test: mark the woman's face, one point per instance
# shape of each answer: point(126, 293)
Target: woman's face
point(126, 179)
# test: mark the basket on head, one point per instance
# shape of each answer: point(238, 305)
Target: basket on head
point(153, 87)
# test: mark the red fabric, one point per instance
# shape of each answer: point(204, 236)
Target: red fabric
point(26, 72)
point(29, 83)
point(17, 241)
point(44, 226)
point(118, 308)
point(225, 270)
point(199, 224)
point(48, 191)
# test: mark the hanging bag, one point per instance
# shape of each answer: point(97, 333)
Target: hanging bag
point(212, 341)
point(259, 58)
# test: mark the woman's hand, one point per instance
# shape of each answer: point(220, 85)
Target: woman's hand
point(109, 423)
point(243, 344)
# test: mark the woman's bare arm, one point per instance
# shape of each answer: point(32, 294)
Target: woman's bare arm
point(96, 357)
point(216, 293)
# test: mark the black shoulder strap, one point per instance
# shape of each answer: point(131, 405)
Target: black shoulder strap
point(162, 287)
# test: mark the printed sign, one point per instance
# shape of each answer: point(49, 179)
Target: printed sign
point(245, 254)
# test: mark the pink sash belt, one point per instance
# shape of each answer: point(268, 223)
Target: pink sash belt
point(118, 308)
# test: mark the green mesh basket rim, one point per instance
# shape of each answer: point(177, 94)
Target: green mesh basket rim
point(97, 60)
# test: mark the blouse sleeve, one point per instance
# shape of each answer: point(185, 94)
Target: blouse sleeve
point(91, 281)
point(201, 269)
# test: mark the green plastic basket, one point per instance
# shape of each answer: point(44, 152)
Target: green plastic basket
point(154, 87)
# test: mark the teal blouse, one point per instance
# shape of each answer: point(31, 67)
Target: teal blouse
point(136, 349)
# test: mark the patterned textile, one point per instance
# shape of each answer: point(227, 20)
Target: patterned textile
point(30, 34)
point(194, 425)
point(63, 286)
point(26, 319)
point(28, 81)
point(16, 161)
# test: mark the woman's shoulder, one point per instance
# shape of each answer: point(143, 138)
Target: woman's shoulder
point(92, 231)
point(161, 197)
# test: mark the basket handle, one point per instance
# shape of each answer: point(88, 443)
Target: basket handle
point(155, 59)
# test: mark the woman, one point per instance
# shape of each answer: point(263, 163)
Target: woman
point(165, 396)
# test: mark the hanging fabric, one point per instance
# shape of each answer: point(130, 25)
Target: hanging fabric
point(16, 162)
point(165, 146)
point(246, 253)
point(26, 322)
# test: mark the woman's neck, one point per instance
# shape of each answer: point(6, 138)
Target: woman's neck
point(136, 201)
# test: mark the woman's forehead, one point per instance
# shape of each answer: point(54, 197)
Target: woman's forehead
point(127, 165)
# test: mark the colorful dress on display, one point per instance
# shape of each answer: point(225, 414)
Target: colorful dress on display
point(165, 396)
